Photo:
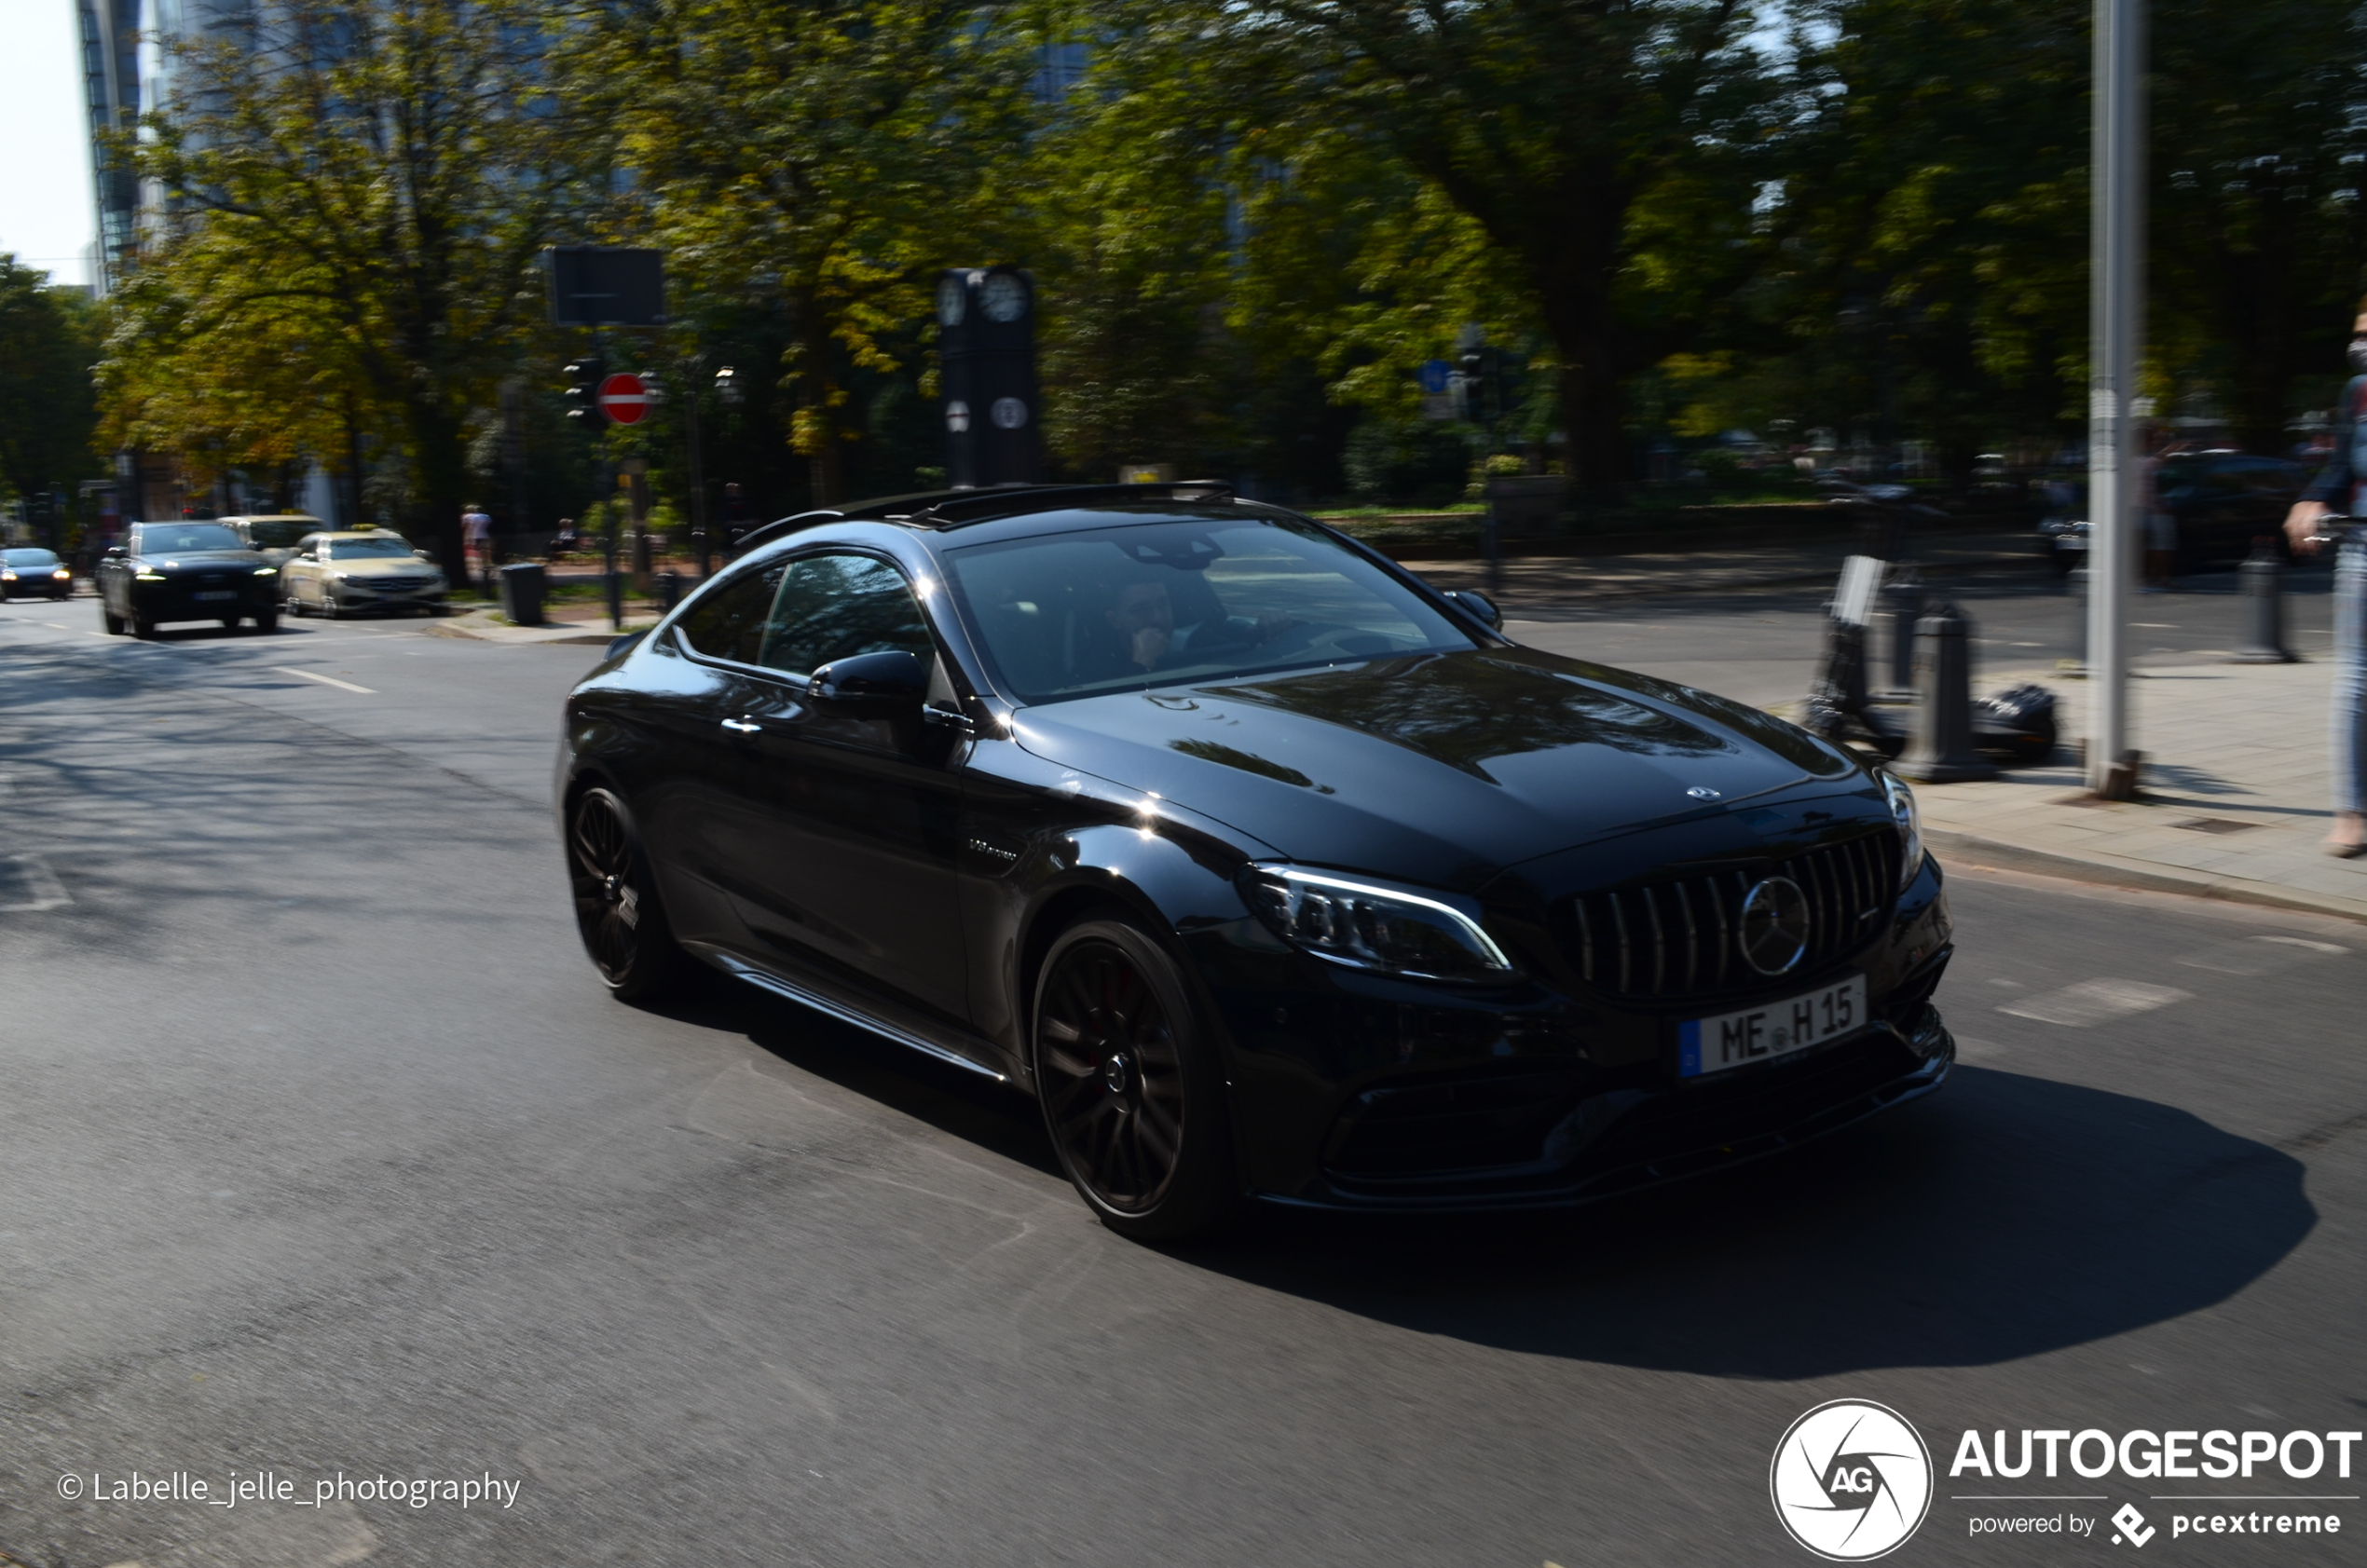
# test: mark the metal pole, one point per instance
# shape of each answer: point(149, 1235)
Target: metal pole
point(2116, 314)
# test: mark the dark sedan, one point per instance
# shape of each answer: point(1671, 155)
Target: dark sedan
point(1268, 869)
point(27, 572)
point(184, 571)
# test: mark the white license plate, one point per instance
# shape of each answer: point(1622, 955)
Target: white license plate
point(217, 594)
point(1758, 1034)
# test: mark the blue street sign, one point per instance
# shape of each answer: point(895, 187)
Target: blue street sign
point(1434, 375)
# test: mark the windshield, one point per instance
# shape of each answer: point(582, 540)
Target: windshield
point(173, 538)
point(280, 533)
point(28, 558)
point(1155, 602)
point(368, 549)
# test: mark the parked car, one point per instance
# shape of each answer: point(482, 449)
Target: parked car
point(27, 572)
point(274, 536)
point(1265, 867)
point(333, 574)
point(184, 571)
point(2220, 502)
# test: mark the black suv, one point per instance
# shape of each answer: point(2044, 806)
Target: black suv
point(184, 571)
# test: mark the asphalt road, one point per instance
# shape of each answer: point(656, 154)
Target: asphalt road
point(320, 1152)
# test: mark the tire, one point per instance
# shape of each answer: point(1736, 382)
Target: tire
point(616, 912)
point(1132, 1093)
point(108, 618)
point(267, 622)
point(292, 607)
point(141, 627)
point(328, 607)
point(230, 623)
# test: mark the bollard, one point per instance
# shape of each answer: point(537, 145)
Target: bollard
point(2076, 667)
point(669, 591)
point(2261, 582)
point(1901, 605)
point(1941, 748)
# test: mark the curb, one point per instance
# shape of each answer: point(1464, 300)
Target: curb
point(2118, 872)
point(521, 637)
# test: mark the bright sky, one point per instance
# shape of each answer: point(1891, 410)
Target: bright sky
point(45, 212)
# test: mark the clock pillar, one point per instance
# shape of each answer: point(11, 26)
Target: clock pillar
point(986, 340)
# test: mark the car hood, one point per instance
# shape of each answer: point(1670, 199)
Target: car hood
point(380, 565)
point(200, 561)
point(1441, 768)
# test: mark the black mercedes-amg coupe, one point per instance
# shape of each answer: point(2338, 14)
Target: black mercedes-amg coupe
point(1268, 869)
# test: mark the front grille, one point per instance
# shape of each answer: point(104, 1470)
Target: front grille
point(1676, 936)
point(394, 585)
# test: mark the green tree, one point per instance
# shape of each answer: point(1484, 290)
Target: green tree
point(47, 407)
point(364, 204)
point(830, 156)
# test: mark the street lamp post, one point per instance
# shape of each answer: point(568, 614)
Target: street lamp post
point(2116, 314)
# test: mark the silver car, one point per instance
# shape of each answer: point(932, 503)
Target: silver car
point(333, 574)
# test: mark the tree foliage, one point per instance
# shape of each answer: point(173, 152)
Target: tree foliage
point(357, 194)
point(47, 411)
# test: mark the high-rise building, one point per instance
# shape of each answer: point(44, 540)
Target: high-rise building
point(111, 87)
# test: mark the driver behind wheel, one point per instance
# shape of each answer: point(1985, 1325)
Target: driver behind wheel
point(1145, 621)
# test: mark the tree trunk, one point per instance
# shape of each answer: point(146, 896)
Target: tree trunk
point(443, 459)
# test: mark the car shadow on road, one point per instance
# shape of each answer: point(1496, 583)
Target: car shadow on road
point(2006, 1217)
point(966, 1105)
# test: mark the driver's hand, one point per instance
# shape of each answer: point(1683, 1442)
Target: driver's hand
point(2301, 526)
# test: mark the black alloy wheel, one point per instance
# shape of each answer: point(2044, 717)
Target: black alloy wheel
point(616, 904)
point(1131, 1087)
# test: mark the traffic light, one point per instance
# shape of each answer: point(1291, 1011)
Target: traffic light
point(583, 391)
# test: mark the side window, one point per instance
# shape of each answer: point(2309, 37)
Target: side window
point(729, 623)
point(834, 605)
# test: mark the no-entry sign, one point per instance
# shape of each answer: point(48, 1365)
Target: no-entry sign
point(623, 399)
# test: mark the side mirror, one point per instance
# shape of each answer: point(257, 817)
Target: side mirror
point(255, 545)
point(423, 555)
point(1480, 605)
point(114, 552)
point(306, 555)
point(875, 685)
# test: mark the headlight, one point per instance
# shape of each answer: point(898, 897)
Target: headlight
point(1901, 801)
point(8, 577)
point(63, 574)
point(149, 577)
point(266, 572)
point(1392, 930)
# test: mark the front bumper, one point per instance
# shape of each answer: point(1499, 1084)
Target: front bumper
point(176, 599)
point(353, 595)
point(1356, 1092)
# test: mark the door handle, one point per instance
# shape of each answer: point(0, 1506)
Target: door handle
point(742, 727)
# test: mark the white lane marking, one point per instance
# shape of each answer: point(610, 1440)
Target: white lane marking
point(43, 891)
point(324, 680)
point(2260, 955)
point(2095, 1002)
point(57, 625)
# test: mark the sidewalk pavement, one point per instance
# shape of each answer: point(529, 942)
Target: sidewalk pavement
point(1535, 584)
point(2233, 793)
point(569, 626)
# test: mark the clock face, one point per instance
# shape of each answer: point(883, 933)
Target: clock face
point(951, 304)
point(1004, 298)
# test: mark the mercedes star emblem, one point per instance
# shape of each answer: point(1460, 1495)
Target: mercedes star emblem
point(1774, 933)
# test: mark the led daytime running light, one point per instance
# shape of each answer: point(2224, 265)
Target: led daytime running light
point(1392, 930)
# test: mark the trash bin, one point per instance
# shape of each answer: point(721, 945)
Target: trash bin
point(522, 591)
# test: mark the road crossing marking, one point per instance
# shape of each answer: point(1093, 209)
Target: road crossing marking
point(2095, 1002)
point(324, 680)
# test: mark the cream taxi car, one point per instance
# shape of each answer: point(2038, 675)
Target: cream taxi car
point(346, 573)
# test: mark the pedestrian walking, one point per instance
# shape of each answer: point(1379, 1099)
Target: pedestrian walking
point(2343, 481)
point(564, 542)
point(476, 542)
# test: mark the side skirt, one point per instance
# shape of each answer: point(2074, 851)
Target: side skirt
point(739, 968)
